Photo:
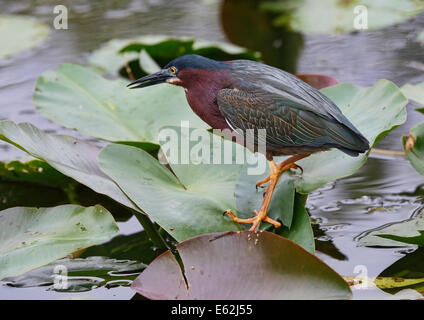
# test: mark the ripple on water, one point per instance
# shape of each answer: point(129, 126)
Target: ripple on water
point(360, 204)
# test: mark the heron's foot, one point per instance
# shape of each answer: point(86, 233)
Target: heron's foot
point(259, 216)
point(275, 171)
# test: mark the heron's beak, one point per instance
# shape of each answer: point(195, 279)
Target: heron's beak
point(159, 77)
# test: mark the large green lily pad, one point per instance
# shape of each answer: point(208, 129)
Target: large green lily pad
point(186, 204)
point(240, 265)
point(414, 147)
point(74, 158)
point(20, 33)
point(78, 98)
point(33, 237)
point(336, 16)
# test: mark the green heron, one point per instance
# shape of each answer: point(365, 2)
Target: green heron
point(239, 95)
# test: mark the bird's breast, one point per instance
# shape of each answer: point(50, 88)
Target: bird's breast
point(202, 87)
point(205, 106)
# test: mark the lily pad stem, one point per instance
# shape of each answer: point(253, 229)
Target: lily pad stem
point(388, 152)
point(151, 231)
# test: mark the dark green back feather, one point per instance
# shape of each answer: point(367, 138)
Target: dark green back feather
point(294, 113)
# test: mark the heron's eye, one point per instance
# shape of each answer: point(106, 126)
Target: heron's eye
point(173, 70)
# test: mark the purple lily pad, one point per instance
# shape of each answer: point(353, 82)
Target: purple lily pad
point(318, 81)
point(240, 265)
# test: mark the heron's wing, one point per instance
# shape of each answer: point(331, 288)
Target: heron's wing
point(286, 126)
point(263, 80)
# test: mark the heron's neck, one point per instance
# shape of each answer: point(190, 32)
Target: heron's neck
point(202, 87)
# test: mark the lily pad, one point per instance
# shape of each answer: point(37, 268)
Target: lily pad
point(160, 49)
point(34, 237)
point(186, 204)
point(399, 234)
point(20, 33)
point(420, 37)
point(407, 272)
point(37, 184)
point(414, 92)
point(147, 63)
point(392, 285)
point(335, 16)
point(78, 98)
point(81, 274)
point(318, 81)
point(74, 158)
point(414, 147)
point(300, 230)
point(107, 58)
point(240, 265)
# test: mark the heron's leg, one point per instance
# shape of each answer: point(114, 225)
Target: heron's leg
point(282, 166)
point(275, 171)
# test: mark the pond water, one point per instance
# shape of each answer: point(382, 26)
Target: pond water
point(385, 190)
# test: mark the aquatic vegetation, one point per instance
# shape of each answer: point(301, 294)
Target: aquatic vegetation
point(398, 234)
point(414, 92)
point(288, 272)
point(20, 33)
point(142, 55)
point(79, 98)
point(334, 16)
point(414, 147)
point(33, 237)
point(83, 274)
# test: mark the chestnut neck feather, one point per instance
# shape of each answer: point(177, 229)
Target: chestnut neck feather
point(202, 87)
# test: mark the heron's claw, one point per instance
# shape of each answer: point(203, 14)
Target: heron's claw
point(259, 216)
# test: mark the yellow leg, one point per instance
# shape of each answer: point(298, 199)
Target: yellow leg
point(275, 171)
point(281, 165)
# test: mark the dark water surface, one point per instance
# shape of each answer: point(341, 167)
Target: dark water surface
point(385, 190)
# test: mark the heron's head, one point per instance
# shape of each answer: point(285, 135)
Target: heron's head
point(183, 71)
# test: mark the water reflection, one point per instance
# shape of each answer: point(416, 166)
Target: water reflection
point(246, 25)
point(360, 203)
point(82, 274)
